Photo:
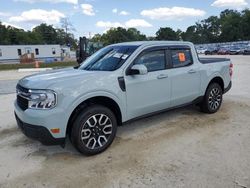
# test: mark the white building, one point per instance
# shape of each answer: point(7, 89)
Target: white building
point(12, 53)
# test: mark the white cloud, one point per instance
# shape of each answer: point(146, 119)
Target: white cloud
point(76, 7)
point(124, 13)
point(5, 14)
point(38, 16)
point(108, 24)
point(165, 13)
point(11, 25)
point(127, 24)
point(137, 23)
point(87, 9)
point(229, 3)
point(49, 1)
point(115, 10)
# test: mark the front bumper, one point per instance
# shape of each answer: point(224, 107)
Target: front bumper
point(38, 133)
point(37, 124)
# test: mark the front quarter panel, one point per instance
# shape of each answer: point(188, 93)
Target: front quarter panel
point(72, 93)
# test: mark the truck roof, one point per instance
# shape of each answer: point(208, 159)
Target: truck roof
point(147, 43)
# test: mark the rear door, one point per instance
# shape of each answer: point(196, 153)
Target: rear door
point(185, 76)
point(150, 92)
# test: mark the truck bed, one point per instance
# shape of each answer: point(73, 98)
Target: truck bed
point(213, 60)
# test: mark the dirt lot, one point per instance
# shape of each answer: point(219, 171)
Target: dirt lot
point(180, 148)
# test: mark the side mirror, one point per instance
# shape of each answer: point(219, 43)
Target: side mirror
point(138, 69)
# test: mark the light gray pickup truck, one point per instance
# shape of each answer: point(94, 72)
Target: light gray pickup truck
point(120, 82)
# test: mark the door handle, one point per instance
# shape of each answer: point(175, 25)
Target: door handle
point(162, 76)
point(192, 71)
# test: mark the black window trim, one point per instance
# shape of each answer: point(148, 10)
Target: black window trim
point(150, 49)
point(168, 56)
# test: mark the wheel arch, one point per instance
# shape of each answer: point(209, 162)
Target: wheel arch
point(218, 80)
point(101, 100)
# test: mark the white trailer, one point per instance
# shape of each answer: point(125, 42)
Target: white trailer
point(12, 53)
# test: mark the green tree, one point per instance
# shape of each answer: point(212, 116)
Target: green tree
point(47, 33)
point(166, 34)
point(211, 29)
point(231, 26)
point(4, 35)
point(135, 35)
point(245, 24)
point(119, 34)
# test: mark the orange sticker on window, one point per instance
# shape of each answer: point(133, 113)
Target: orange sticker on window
point(182, 57)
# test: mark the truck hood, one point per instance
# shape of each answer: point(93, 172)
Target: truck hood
point(45, 79)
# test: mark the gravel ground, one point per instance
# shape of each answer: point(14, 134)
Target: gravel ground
point(180, 148)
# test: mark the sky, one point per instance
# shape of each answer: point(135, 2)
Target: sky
point(97, 16)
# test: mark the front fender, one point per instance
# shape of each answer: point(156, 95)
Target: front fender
point(78, 100)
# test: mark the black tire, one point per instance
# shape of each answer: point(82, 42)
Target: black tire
point(90, 130)
point(213, 99)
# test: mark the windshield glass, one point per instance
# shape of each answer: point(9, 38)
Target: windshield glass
point(108, 59)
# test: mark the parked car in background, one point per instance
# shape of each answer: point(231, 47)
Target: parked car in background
point(223, 51)
point(211, 51)
point(119, 83)
point(246, 51)
point(201, 51)
point(234, 51)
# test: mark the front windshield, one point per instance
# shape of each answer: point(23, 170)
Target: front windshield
point(109, 58)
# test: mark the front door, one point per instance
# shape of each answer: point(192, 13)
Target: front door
point(150, 92)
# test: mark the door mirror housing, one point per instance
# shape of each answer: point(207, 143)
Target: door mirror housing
point(138, 69)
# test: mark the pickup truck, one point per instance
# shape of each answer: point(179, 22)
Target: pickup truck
point(119, 83)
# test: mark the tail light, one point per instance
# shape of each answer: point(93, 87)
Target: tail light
point(231, 69)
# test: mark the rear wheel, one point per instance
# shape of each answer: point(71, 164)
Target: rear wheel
point(212, 99)
point(94, 130)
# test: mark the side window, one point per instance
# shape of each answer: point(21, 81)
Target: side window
point(37, 51)
point(154, 60)
point(19, 52)
point(1, 53)
point(181, 57)
point(53, 51)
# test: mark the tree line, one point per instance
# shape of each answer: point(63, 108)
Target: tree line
point(41, 34)
point(230, 25)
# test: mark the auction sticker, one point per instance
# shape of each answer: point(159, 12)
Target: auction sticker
point(182, 57)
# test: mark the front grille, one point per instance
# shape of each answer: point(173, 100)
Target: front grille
point(22, 102)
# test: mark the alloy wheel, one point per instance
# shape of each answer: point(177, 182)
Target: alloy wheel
point(214, 98)
point(96, 131)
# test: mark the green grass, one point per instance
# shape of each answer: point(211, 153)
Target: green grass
point(32, 65)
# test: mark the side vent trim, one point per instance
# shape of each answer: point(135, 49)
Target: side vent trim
point(122, 83)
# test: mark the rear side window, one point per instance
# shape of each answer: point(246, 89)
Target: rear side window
point(181, 57)
point(154, 60)
point(1, 53)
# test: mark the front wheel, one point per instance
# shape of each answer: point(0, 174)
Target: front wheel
point(94, 130)
point(212, 99)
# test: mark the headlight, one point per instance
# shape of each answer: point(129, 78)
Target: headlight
point(42, 99)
